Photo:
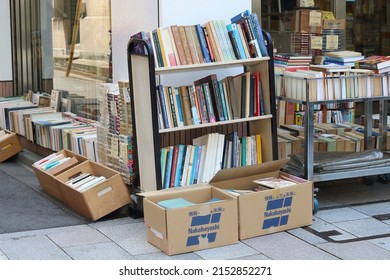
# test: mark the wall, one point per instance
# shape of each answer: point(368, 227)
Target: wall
point(5, 43)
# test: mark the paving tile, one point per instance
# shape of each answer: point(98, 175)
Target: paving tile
point(381, 242)
point(306, 236)
point(114, 222)
point(284, 246)
point(364, 227)
point(163, 256)
point(253, 257)
point(339, 215)
point(98, 251)
point(3, 256)
point(131, 237)
point(227, 252)
point(374, 209)
point(321, 226)
point(83, 235)
point(361, 250)
point(32, 248)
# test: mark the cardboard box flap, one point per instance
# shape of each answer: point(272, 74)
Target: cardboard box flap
point(247, 171)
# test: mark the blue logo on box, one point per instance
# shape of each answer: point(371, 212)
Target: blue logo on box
point(203, 229)
point(277, 212)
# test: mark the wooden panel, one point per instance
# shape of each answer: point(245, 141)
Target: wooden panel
point(6, 88)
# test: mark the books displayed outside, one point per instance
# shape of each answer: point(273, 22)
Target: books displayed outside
point(210, 100)
point(184, 165)
point(212, 41)
point(84, 181)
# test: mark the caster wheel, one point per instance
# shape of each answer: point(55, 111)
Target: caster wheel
point(316, 205)
point(369, 180)
point(385, 178)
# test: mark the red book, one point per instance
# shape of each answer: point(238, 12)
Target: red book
point(174, 166)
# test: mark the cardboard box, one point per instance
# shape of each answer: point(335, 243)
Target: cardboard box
point(337, 24)
point(269, 210)
point(99, 200)
point(307, 21)
point(9, 145)
point(47, 179)
point(200, 226)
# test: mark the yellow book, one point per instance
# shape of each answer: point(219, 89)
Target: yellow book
point(163, 54)
point(259, 151)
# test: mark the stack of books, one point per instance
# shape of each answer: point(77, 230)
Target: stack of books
point(346, 57)
point(213, 41)
point(85, 181)
point(292, 61)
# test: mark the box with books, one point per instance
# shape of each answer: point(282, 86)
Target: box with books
point(9, 145)
point(267, 206)
point(48, 167)
point(189, 219)
point(93, 190)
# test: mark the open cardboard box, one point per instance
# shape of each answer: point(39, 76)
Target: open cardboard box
point(269, 210)
point(9, 145)
point(99, 200)
point(209, 223)
point(47, 178)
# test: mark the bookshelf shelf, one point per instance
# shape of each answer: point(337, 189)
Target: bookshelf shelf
point(210, 66)
point(220, 123)
point(149, 138)
point(368, 135)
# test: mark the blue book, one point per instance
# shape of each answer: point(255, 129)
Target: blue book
point(259, 34)
point(223, 100)
point(168, 168)
point(160, 92)
point(179, 165)
point(243, 151)
point(179, 108)
point(236, 40)
point(174, 203)
point(203, 43)
point(197, 160)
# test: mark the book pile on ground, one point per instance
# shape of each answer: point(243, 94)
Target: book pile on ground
point(213, 41)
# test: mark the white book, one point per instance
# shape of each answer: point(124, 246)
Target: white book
point(91, 183)
point(219, 153)
point(186, 165)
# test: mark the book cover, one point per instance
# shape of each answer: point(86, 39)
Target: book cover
point(257, 30)
point(274, 182)
point(374, 62)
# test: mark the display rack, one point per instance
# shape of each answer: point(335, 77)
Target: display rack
point(148, 138)
point(368, 138)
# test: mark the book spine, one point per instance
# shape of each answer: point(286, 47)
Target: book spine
point(158, 49)
point(191, 44)
point(233, 36)
point(160, 92)
point(185, 104)
point(223, 100)
point(259, 34)
point(209, 103)
point(196, 164)
point(186, 46)
point(172, 105)
point(179, 166)
point(179, 45)
point(168, 167)
point(203, 43)
point(197, 44)
point(174, 166)
point(178, 106)
point(212, 40)
point(162, 47)
point(194, 108)
point(209, 47)
point(227, 39)
point(202, 104)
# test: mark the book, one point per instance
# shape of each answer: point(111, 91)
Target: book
point(257, 30)
point(274, 182)
point(179, 44)
point(185, 43)
point(374, 62)
point(186, 105)
point(191, 44)
point(174, 203)
point(203, 43)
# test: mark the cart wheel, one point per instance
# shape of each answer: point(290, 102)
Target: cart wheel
point(316, 205)
point(369, 180)
point(385, 178)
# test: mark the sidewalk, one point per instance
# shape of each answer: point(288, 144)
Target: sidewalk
point(353, 223)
